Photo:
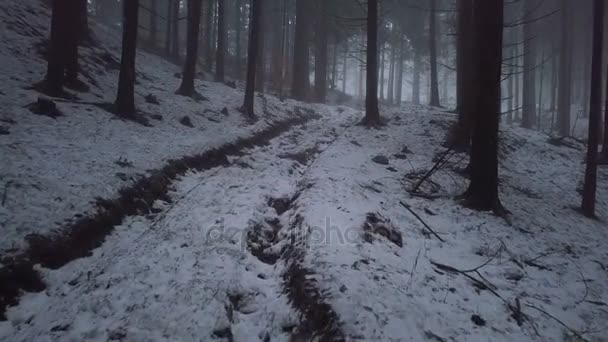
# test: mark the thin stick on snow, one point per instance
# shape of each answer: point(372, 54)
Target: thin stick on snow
point(574, 332)
point(421, 220)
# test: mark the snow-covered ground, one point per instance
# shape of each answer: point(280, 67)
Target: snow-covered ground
point(54, 169)
point(313, 236)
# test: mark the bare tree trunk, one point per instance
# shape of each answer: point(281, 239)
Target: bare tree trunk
point(399, 83)
point(221, 42)
point(605, 141)
point(169, 27)
point(321, 53)
point(595, 109)
point(391, 77)
point(381, 78)
point(434, 101)
point(372, 113)
point(539, 117)
point(57, 60)
point(529, 91)
point(345, 66)
point(482, 193)
point(300, 84)
point(260, 74)
point(460, 136)
point(175, 31)
point(208, 35)
point(125, 99)
point(252, 53)
point(416, 77)
point(153, 23)
point(565, 71)
point(237, 28)
point(194, 18)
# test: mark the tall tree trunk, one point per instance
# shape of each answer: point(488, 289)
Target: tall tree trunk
point(153, 23)
point(416, 77)
point(221, 42)
point(595, 109)
point(254, 21)
point(73, 38)
point(399, 82)
point(482, 193)
point(60, 30)
point(510, 85)
point(539, 116)
point(529, 92)
point(208, 35)
point(260, 74)
point(460, 137)
point(381, 78)
point(125, 99)
point(175, 31)
point(169, 27)
point(321, 53)
point(565, 71)
point(194, 18)
point(391, 76)
point(334, 63)
point(372, 113)
point(284, 46)
point(345, 66)
point(554, 74)
point(299, 88)
point(605, 141)
point(237, 28)
point(434, 101)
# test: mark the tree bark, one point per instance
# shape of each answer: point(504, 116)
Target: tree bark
point(175, 31)
point(194, 18)
point(237, 28)
point(125, 99)
point(482, 193)
point(321, 53)
point(221, 42)
point(372, 113)
point(208, 36)
point(60, 30)
point(153, 23)
point(595, 109)
point(565, 71)
point(300, 84)
point(169, 27)
point(260, 74)
point(416, 77)
point(434, 101)
point(247, 108)
point(529, 91)
point(399, 82)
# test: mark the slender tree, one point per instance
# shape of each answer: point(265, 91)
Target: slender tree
point(175, 30)
point(252, 53)
point(565, 71)
point(208, 35)
point(482, 193)
point(595, 109)
point(604, 156)
point(300, 82)
point(372, 113)
point(237, 34)
point(221, 42)
point(321, 52)
point(194, 14)
point(529, 91)
point(125, 99)
point(434, 101)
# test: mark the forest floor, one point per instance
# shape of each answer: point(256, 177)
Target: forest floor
point(300, 226)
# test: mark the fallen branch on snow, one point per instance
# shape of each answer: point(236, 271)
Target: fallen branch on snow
point(422, 221)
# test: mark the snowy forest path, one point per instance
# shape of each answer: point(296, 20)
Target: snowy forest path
point(196, 266)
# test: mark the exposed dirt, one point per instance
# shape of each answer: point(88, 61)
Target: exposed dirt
point(80, 238)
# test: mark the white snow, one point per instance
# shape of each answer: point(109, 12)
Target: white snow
point(187, 272)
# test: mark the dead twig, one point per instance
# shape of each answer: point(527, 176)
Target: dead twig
point(421, 220)
point(573, 331)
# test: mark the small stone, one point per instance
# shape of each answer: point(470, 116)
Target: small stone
point(150, 98)
point(478, 320)
point(186, 121)
point(225, 111)
point(382, 160)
